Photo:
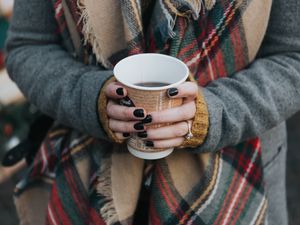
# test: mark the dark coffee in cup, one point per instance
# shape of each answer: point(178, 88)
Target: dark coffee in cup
point(152, 84)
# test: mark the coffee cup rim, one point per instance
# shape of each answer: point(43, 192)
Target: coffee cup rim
point(128, 84)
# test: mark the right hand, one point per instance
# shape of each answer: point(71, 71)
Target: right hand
point(123, 120)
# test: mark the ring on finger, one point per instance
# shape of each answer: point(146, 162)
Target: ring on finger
point(189, 134)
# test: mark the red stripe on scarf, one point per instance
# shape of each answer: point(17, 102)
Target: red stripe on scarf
point(152, 46)
point(57, 207)
point(240, 204)
point(239, 207)
point(187, 48)
point(177, 211)
point(220, 64)
point(57, 3)
point(51, 219)
point(243, 162)
point(95, 218)
point(78, 198)
point(154, 218)
point(237, 48)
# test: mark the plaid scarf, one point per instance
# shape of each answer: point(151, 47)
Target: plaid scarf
point(96, 182)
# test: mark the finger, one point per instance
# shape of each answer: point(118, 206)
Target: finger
point(187, 100)
point(185, 90)
point(119, 126)
point(123, 136)
point(169, 143)
point(124, 113)
point(168, 132)
point(184, 112)
point(115, 90)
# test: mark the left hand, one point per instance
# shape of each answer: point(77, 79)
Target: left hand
point(173, 135)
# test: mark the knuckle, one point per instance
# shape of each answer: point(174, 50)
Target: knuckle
point(129, 113)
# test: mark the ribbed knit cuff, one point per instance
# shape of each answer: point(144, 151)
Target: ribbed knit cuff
point(102, 103)
point(200, 123)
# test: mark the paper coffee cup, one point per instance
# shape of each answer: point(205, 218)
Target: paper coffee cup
point(141, 74)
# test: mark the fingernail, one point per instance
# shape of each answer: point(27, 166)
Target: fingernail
point(139, 126)
point(148, 119)
point(139, 113)
point(149, 143)
point(120, 91)
point(126, 101)
point(172, 92)
point(142, 134)
point(126, 134)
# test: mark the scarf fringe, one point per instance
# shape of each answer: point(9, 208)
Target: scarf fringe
point(107, 211)
point(206, 4)
point(90, 37)
point(196, 7)
point(171, 22)
point(167, 30)
point(209, 4)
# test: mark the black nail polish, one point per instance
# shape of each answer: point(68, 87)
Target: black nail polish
point(139, 126)
point(148, 119)
point(120, 91)
point(126, 134)
point(142, 134)
point(126, 101)
point(172, 92)
point(139, 113)
point(149, 143)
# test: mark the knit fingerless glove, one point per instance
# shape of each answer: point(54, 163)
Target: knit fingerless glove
point(102, 103)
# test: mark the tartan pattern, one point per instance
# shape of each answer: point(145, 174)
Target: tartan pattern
point(55, 164)
point(1, 60)
point(231, 190)
point(243, 171)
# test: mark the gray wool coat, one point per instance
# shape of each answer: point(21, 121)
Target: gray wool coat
point(240, 107)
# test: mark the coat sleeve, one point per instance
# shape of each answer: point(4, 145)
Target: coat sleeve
point(60, 86)
point(263, 95)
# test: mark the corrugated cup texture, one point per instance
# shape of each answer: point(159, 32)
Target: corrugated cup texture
point(151, 101)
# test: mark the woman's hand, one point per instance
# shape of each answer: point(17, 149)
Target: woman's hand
point(180, 117)
point(124, 120)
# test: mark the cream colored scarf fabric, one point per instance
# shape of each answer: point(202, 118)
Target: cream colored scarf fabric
point(106, 22)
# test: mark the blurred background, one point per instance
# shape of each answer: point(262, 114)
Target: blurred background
point(16, 115)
